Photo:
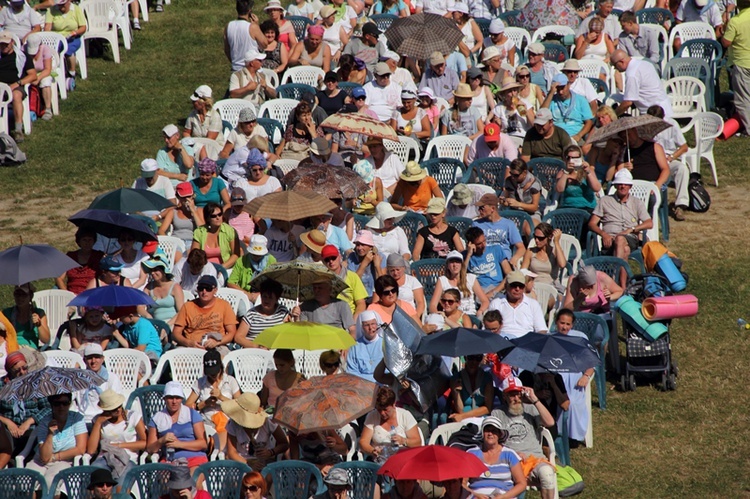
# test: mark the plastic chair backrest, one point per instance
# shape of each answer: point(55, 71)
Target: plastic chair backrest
point(569, 220)
point(601, 88)
point(360, 221)
point(701, 48)
point(588, 323)
point(294, 90)
point(307, 362)
point(311, 75)
point(170, 245)
point(459, 223)
point(363, 476)
point(546, 169)
point(300, 24)
point(427, 272)
point(655, 15)
point(569, 243)
point(484, 26)
point(237, 299)
point(411, 224)
point(229, 109)
point(222, 478)
point(54, 302)
point(286, 165)
point(150, 399)
point(272, 77)
point(274, 130)
point(403, 148)
point(446, 171)
point(556, 29)
point(594, 68)
point(249, 366)
point(291, 479)
point(20, 483)
point(185, 365)
point(76, 481)
point(489, 172)
point(511, 18)
point(520, 36)
point(687, 66)
point(213, 149)
point(518, 217)
point(689, 31)
point(383, 21)
point(349, 436)
point(61, 358)
point(98, 13)
point(278, 109)
point(554, 52)
point(6, 97)
point(447, 146)
point(126, 364)
point(442, 433)
point(610, 265)
point(147, 480)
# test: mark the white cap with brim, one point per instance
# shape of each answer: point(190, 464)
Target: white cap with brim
point(623, 177)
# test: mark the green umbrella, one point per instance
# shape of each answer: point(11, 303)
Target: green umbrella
point(126, 200)
point(298, 278)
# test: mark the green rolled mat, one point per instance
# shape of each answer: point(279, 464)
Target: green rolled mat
point(631, 312)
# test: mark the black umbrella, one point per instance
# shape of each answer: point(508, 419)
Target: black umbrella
point(29, 262)
point(422, 34)
point(461, 341)
point(110, 223)
point(555, 353)
point(128, 200)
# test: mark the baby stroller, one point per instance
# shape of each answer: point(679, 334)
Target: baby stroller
point(645, 356)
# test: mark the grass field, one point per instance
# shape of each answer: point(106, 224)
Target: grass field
point(693, 442)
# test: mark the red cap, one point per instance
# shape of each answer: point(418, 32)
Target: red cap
point(150, 246)
point(328, 251)
point(492, 132)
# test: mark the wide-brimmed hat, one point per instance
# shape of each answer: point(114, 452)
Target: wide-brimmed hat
point(314, 240)
point(338, 477)
point(327, 11)
point(245, 410)
point(623, 177)
point(435, 206)
point(426, 92)
point(571, 65)
point(320, 146)
point(384, 211)
point(413, 172)
point(156, 263)
point(258, 245)
point(463, 91)
point(110, 399)
point(490, 52)
point(179, 478)
point(494, 422)
point(462, 195)
point(509, 83)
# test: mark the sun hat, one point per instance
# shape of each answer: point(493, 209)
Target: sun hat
point(109, 263)
point(492, 133)
point(543, 116)
point(382, 69)
point(490, 52)
point(516, 277)
point(365, 170)
point(247, 115)
point(390, 55)
point(258, 245)
point(571, 65)
point(364, 237)
point(179, 478)
point(536, 48)
point(463, 91)
point(208, 280)
point(488, 199)
point(212, 362)
point(459, 7)
point(436, 58)
point(395, 260)
point(426, 92)
point(497, 26)
point(328, 251)
point(169, 130)
point(110, 399)
point(173, 389)
point(314, 239)
point(238, 197)
point(454, 255)
point(155, 263)
point(101, 476)
point(337, 476)
point(202, 92)
point(462, 195)
point(149, 167)
point(413, 172)
point(184, 190)
point(494, 422)
point(408, 94)
point(384, 211)
point(509, 83)
point(93, 349)
point(320, 147)
point(435, 206)
point(252, 55)
point(511, 384)
point(273, 4)
point(245, 410)
point(587, 276)
point(528, 273)
point(327, 11)
point(623, 177)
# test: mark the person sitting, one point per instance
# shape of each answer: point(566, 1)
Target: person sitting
point(442, 80)
point(253, 483)
point(455, 276)
point(493, 321)
point(299, 134)
point(102, 484)
point(521, 314)
point(545, 139)
point(638, 40)
point(29, 321)
point(93, 329)
point(181, 484)
point(334, 234)
point(16, 71)
point(481, 260)
point(177, 431)
point(209, 188)
point(269, 312)
point(338, 484)
point(399, 75)
point(365, 203)
point(183, 219)
point(335, 32)
point(388, 427)
point(250, 265)
point(246, 129)
point(41, 55)
point(332, 99)
point(578, 183)
point(582, 86)
point(86, 401)
point(405, 489)
point(472, 392)
point(365, 260)
point(437, 239)
point(523, 414)
point(322, 154)
point(206, 322)
point(109, 274)
point(491, 144)
point(411, 120)
point(570, 111)
point(204, 121)
point(189, 271)
point(386, 293)
point(21, 20)
point(367, 352)
point(542, 72)
point(409, 287)
point(387, 236)
point(321, 448)
point(238, 217)
point(462, 118)
point(512, 114)
point(175, 159)
point(498, 230)
point(699, 11)
point(279, 380)
point(216, 238)
point(277, 55)
point(387, 165)
point(522, 191)
point(250, 83)
point(591, 291)
point(163, 289)
point(75, 280)
point(137, 333)
point(259, 183)
point(547, 258)
point(68, 20)
point(596, 43)
point(383, 96)
point(450, 314)
point(622, 216)
point(325, 309)
point(505, 476)
point(355, 294)
point(151, 180)
point(415, 189)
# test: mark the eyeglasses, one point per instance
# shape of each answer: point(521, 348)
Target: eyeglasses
point(237, 199)
point(515, 174)
point(256, 169)
point(330, 259)
point(205, 288)
point(332, 364)
point(216, 215)
point(516, 285)
point(540, 238)
point(60, 403)
point(387, 292)
point(251, 488)
point(449, 302)
point(524, 76)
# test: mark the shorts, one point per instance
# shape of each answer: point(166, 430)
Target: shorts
point(73, 45)
point(634, 242)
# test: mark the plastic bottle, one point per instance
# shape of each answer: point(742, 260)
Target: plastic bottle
point(394, 446)
point(742, 323)
point(170, 454)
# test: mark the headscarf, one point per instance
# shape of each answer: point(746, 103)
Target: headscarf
point(316, 30)
point(207, 165)
point(255, 158)
point(368, 315)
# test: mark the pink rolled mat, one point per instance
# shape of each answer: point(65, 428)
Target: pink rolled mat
point(669, 307)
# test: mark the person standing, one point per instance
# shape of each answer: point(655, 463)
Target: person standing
point(737, 40)
point(242, 34)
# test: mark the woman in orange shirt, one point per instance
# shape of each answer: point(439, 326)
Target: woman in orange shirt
point(415, 189)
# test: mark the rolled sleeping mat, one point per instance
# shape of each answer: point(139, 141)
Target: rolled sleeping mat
point(731, 126)
point(630, 310)
point(669, 307)
point(666, 267)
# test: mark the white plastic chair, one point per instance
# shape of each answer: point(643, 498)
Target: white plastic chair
point(349, 436)
point(272, 77)
point(707, 127)
point(6, 98)
point(543, 294)
point(594, 68)
point(286, 165)
point(54, 302)
point(126, 364)
point(123, 22)
point(185, 364)
point(689, 31)
point(170, 246)
point(58, 45)
point(278, 109)
point(310, 75)
point(307, 362)
point(557, 29)
point(443, 432)
point(403, 147)
point(101, 23)
point(687, 96)
point(229, 109)
point(663, 37)
point(213, 149)
point(521, 38)
point(60, 358)
point(250, 366)
point(236, 298)
point(643, 190)
point(448, 146)
point(442, 104)
point(188, 295)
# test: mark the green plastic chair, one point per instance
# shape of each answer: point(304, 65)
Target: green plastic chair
point(291, 479)
point(223, 478)
point(20, 483)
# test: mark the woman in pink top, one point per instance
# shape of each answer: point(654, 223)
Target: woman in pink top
point(281, 379)
point(238, 218)
point(386, 288)
point(427, 102)
point(42, 56)
point(591, 291)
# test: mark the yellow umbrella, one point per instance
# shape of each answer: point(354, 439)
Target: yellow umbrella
point(305, 336)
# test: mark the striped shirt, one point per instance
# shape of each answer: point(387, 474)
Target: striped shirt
point(65, 438)
point(499, 475)
point(259, 322)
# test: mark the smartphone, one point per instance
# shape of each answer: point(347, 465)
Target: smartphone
point(577, 162)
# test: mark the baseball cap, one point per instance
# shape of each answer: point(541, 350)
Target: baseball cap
point(93, 349)
point(454, 255)
point(327, 11)
point(543, 116)
point(488, 199)
point(184, 189)
point(472, 73)
point(329, 250)
point(208, 280)
point(536, 48)
point(173, 389)
point(489, 53)
point(382, 69)
point(491, 133)
point(497, 26)
point(168, 130)
point(436, 58)
point(516, 277)
point(358, 92)
point(560, 79)
point(202, 92)
point(6, 37)
point(109, 263)
point(149, 167)
point(511, 384)
point(252, 55)
point(212, 362)
point(370, 29)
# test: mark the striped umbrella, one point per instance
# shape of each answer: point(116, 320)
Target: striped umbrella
point(49, 381)
point(422, 34)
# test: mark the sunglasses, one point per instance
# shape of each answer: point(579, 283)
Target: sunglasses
point(216, 215)
point(205, 288)
point(524, 76)
point(389, 292)
point(516, 285)
point(330, 259)
point(237, 199)
point(360, 98)
point(332, 364)
point(251, 488)
point(443, 300)
point(60, 403)
point(515, 175)
point(540, 238)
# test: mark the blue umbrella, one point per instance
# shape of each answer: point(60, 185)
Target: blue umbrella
point(111, 296)
point(110, 223)
point(461, 341)
point(128, 200)
point(555, 353)
point(29, 262)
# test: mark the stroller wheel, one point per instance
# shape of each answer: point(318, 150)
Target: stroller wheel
point(664, 382)
point(623, 383)
point(631, 383)
point(672, 382)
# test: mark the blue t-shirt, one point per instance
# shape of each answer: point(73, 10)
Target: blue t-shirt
point(143, 333)
point(368, 277)
point(487, 266)
point(570, 114)
point(393, 10)
point(65, 439)
point(182, 429)
point(503, 233)
point(212, 196)
point(499, 475)
point(337, 236)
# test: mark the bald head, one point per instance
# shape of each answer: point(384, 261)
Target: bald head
point(620, 60)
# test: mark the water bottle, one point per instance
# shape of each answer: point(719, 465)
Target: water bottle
point(394, 446)
point(742, 323)
point(170, 454)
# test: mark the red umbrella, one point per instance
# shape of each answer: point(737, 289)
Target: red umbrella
point(432, 462)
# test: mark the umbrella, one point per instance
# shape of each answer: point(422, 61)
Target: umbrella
point(49, 381)
point(29, 262)
point(110, 223)
point(432, 462)
point(461, 341)
point(325, 403)
point(128, 200)
point(360, 123)
point(542, 13)
point(305, 336)
point(297, 279)
point(289, 205)
point(422, 34)
point(111, 296)
point(646, 125)
point(557, 353)
point(333, 182)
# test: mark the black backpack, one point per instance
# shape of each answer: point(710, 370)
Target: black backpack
point(698, 198)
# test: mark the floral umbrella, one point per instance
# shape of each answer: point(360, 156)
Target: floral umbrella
point(333, 182)
point(359, 123)
point(49, 381)
point(541, 13)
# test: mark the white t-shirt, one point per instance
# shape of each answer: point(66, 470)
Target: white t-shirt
point(468, 303)
point(528, 316)
point(643, 87)
point(87, 401)
point(381, 436)
point(583, 87)
point(393, 241)
point(188, 281)
point(406, 290)
point(202, 388)
point(124, 431)
point(254, 191)
point(239, 139)
point(391, 170)
point(162, 186)
point(689, 12)
point(279, 244)
point(383, 100)
point(132, 271)
point(670, 139)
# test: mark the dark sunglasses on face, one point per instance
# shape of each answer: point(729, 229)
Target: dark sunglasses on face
point(205, 288)
point(330, 259)
point(516, 285)
point(540, 238)
point(237, 199)
point(387, 292)
point(251, 488)
point(216, 215)
point(523, 76)
point(445, 300)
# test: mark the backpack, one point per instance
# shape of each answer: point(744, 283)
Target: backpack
point(10, 154)
point(35, 101)
point(698, 198)
point(465, 438)
point(569, 481)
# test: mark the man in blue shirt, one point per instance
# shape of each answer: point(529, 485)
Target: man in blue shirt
point(570, 111)
point(488, 263)
point(367, 353)
point(497, 230)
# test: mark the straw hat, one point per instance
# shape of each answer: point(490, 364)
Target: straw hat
point(384, 211)
point(413, 172)
point(245, 411)
point(110, 399)
point(464, 91)
point(509, 83)
point(314, 239)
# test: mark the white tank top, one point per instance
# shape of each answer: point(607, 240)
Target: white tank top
point(240, 41)
point(480, 102)
point(596, 50)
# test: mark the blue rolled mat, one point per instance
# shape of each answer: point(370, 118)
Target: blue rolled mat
point(630, 310)
point(666, 267)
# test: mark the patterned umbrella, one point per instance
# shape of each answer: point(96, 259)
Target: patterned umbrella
point(289, 205)
point(305, 336)
point(49, 381)
point(333, 182)
point(557, 353)
point(360, 123)
point(325, 403)
point(646, 125)
point(547, 13)
point(432, 462)
point(297, 279)
point(29, 262)
point(422, 34)
point(128, 200)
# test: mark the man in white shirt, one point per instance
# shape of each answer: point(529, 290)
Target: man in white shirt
point(401, 76)
point(521, 314)
point(642, 84)
point(383, 95)
point(20, 19)
point(580, 86)
point(673, 142)
point(87, 401)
